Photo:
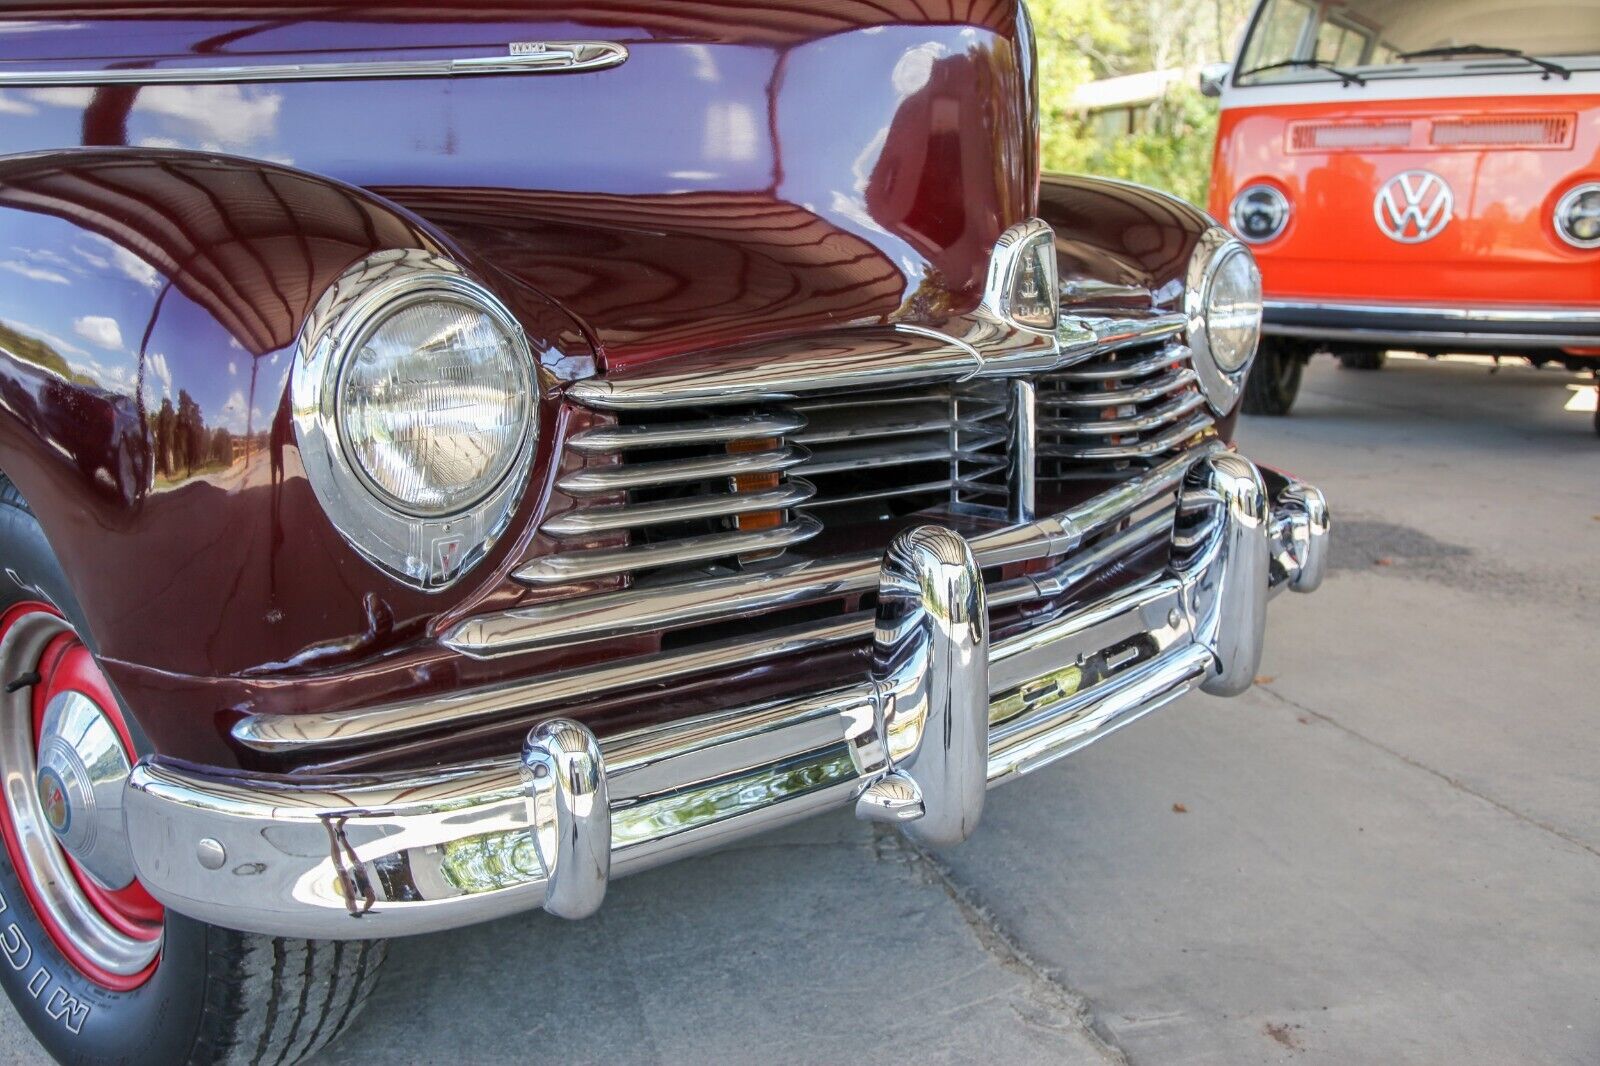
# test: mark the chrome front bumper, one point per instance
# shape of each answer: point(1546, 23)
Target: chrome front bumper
point(942, 715)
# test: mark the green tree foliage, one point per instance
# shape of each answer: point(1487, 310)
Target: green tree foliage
point(1083, 40)
point(1173, 152)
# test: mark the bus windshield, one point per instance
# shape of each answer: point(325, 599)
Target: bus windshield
point(1353, 40)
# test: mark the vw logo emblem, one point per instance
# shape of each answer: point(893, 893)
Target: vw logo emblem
point(1413, 206)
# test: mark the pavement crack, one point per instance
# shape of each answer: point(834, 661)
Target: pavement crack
point(1069, 1008)
point(1454, 782)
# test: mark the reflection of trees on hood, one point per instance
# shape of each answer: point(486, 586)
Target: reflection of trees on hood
point(180, 436)
point(191, 432)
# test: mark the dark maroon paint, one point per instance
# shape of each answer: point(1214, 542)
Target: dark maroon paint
point(752, 171)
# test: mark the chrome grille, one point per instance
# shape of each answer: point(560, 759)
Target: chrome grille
point(904, 450)
point(1124, 407)
point(716, 488)
point(649, 496)
point(685, 491)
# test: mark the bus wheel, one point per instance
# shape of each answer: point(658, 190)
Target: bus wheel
point(1274, 380)
point(1362, 358)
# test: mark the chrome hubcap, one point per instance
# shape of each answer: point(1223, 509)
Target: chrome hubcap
point(65, 796)
point(82, 769)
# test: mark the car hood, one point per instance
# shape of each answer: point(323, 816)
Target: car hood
point(742, 173)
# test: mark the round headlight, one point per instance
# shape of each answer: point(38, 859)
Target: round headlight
point(1578, 216)
point(416, 408)
point(1233, 310)
point(1259, 213)
point(1223, 302)
point(433, 404)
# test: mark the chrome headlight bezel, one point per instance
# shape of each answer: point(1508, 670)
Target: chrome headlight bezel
point(1565, 205)
point(1278, 200)
point(1220, 386)
point(426, 551)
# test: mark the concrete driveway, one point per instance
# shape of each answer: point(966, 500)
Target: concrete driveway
point(1388, 851)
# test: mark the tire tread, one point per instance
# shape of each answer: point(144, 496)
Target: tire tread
point(274, 1001)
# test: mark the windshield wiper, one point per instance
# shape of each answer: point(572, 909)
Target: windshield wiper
point(1344, 76)
point(1446, 51)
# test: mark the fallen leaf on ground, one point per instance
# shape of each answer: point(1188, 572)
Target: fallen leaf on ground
point(1283, 1034)
point(1265, 679)
point(1303, 720)
point(1178, 808)
point(1383, 560)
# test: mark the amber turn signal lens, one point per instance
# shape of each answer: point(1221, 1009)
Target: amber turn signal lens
point(745, 484)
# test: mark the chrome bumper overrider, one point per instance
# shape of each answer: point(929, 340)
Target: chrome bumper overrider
point(943, 715)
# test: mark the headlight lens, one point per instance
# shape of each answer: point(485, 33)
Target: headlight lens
point(1578, 216)
point(1233, 310)
point(416, 408)
point(1223, 304)
point(1259, 213)
point(433, 404)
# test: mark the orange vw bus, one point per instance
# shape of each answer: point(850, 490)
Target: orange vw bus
point(1417, 174)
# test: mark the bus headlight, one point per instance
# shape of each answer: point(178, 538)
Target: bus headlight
point(1578, 216)
point(1259, 213)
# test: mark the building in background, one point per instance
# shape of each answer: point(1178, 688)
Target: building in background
point(1119, 107)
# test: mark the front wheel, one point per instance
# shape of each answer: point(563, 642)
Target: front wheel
point(1274, 379)
point(96, 967)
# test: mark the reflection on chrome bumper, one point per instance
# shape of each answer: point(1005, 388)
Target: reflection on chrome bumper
point(942, 716)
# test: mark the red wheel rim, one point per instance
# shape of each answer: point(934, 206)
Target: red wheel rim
point(65, 665)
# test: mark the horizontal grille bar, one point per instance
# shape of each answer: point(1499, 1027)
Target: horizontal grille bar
point(595, 520)
point(1143, 449)
point(1155, 388)
point(1106, 369)
point(602, 562)
point(602, 480)
point(1154, 418)
point(707, 430)
point(887, 492)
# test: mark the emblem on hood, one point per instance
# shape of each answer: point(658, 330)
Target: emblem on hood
point(1413, 206)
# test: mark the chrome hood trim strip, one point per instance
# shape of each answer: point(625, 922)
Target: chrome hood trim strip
point(869, 358)
point(541, 57)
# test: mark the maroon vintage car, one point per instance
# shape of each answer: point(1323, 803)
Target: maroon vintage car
point(455, 457)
